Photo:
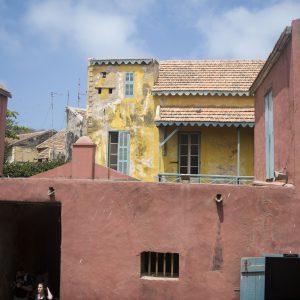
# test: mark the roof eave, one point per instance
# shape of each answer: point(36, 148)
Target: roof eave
point(198, 93)
point(139, 61)
point(272, 59)
point(206, 124)
point(5, 93)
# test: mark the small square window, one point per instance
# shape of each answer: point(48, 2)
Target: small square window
point(158, 264)
point(103, 74)
point(110, 90)
point(99, 90)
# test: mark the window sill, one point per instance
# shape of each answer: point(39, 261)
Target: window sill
point(159, 278)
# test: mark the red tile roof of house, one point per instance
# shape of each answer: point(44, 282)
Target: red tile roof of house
point(206, 75)
point(26, 136)
point(196, 115)
point(57, 141)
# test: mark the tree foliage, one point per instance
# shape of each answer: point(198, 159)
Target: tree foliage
point(27, 169)
point(12, 129)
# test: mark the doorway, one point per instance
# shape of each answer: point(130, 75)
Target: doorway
point(282, 278)
point(30, 236)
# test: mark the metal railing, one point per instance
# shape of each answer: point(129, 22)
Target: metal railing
point(204, 178)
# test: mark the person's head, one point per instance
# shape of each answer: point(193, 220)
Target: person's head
point(41, 288)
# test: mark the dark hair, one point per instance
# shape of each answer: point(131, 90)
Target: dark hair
point(44, 287)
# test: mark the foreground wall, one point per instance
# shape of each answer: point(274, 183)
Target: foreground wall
point(106, 225)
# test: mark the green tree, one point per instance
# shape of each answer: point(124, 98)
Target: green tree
point(12, 129)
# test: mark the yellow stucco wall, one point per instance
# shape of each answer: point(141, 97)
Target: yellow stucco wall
point(218, 151)
point(107, 112)
point(23, 154)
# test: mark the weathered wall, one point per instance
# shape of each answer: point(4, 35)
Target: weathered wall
point(115, 112)
point(218, 151)
point(23, 154)
point(106, 225)
point(3, 106)
point(283, 79)
point(76, 127)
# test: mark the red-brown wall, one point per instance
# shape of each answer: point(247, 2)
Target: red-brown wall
point(106, 225)
point(283, 79)
point(3, 106)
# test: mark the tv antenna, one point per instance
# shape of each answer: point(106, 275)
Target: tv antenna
point(79, 93)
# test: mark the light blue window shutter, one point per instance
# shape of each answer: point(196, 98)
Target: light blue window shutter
point(252, 285)
point(129, 84)
point(123, 152)
point(269, 136)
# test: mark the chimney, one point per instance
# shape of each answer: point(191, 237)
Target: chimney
point(83, 158)
point(3, 106)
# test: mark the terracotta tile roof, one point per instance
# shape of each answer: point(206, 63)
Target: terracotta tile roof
point(57, 142)
point(196, 115)
point(207, 75)
point(26, 136)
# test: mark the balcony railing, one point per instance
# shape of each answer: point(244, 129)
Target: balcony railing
point(204, 178)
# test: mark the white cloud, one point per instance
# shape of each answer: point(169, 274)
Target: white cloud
point(244, 33)
point(96, 31)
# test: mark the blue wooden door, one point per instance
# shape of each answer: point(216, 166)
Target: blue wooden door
point(252, 284)
point(269, 131)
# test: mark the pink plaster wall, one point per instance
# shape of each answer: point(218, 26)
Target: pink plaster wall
point(3, 106)
point(106, 225)
point(283, 79)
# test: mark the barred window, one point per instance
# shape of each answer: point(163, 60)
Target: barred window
point(158, 264)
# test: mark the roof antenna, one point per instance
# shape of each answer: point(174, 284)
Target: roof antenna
point(79, 93)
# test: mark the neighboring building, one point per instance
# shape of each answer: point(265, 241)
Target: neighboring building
point(277, 156)
point(277, 97)
point(23, 149)
point(173, 120)
point(4, 95)
point(76, 128)
point(52, 148)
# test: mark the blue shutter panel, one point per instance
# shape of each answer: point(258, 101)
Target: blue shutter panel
point(129, 84)
point(269, 135)
point(123, 152)
point(252, 285)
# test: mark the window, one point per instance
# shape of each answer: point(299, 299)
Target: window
point(110, 90)
point(160, 264)
point(129, 84)
point(99, 90)
point(189, 158)
point(118, 151)
point(102, 74)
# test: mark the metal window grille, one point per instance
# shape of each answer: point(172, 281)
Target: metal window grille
point(158, 264)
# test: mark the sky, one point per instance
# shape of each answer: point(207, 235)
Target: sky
point(46, 44)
